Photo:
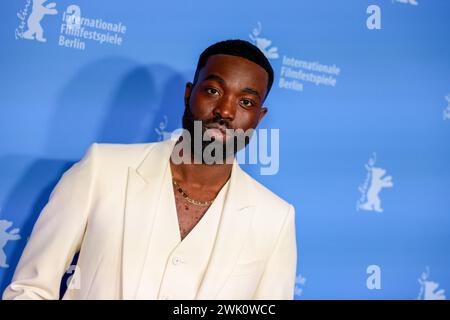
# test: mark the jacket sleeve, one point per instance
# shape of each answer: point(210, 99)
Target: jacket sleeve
point(56, 235)
point(278, 279)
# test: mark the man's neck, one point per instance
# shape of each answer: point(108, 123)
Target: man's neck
point(201, 175)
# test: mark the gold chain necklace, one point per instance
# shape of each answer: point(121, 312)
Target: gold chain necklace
point(189, 199)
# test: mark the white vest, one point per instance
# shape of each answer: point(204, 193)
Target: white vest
point(184, 261)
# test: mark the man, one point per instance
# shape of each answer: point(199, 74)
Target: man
point(149, 226)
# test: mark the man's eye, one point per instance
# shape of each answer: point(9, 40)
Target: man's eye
point(212, 91)
point(247, 103)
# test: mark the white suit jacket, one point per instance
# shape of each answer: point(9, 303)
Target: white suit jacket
point(104, 207)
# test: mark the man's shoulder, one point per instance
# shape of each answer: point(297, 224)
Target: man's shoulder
point(127, 148)
point(272, 212)
point(264, 196)
point(122, 153)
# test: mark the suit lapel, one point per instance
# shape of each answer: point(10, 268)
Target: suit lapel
point(232, 233)
point(142, 197)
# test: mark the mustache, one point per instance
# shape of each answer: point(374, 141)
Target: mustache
point(188, 120)
point(216, 119)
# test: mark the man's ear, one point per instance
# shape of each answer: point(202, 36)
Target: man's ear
point(187, 93)
point(262, 113)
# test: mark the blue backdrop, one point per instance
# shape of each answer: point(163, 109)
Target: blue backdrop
point(361, 97)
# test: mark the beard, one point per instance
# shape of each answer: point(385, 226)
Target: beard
point(229, 147)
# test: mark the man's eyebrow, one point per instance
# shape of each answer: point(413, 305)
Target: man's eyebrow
point(252, 91)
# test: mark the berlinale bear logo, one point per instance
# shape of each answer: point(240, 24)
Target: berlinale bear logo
point(375, 181)
point(35, 30)
point(429, 290)
point(6, 236)
point(263, 44)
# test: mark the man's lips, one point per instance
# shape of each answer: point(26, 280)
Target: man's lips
point(217, 131)
point(216, 126)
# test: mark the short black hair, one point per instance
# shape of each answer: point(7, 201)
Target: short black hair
point(239, 48)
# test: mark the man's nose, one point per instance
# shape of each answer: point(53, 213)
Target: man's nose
point(225, 109)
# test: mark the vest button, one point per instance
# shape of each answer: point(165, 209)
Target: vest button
point(176, 260)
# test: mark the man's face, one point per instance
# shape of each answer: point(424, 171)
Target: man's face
point(228, 94)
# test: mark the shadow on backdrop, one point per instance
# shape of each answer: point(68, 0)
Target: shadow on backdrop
point(113, 100)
